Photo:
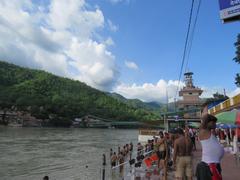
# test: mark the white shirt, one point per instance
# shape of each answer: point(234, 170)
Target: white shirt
point(212, 150)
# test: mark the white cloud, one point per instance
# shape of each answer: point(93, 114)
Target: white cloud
point(209, 91)
point(234, 92)
point(150, 92)
point(109, 42)
point(112, 27)
point(58, 37)
point(119, 1)
point(158, 92)
point(96, 65)
point(131, 65)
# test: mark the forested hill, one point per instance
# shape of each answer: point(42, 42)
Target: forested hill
point(43, 94)
point(152, 106)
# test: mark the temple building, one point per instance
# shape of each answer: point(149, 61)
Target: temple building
point(191, 102)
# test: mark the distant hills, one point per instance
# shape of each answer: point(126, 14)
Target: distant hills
point(45, 95)
point(137, 103)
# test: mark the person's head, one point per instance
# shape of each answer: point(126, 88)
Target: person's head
point(208, 122)
point(45, 178)
point(161, 134)
point(179, 132)
point(166, 135)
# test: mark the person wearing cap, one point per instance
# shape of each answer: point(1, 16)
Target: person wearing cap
point(212, 150)
point(182, 157)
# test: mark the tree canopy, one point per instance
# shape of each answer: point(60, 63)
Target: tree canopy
point(44, 94)
point(237, 59)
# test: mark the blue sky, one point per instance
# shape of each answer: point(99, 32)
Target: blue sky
point(132, 47)
point(152, 33)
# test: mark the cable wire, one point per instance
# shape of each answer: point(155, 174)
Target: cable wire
point(185, 47)
point(192, 34)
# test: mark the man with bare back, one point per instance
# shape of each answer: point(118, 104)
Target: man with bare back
point(182, 157)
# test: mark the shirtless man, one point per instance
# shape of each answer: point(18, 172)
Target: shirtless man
point(182, 157)
point(114, 160)
point(162, 154)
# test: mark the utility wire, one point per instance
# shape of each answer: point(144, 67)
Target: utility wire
point(185, 46)
point(192, 34)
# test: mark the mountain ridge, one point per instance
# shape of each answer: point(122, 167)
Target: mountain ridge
point(43, 94)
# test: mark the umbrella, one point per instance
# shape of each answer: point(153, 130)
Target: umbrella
point(226, 126)
point(229, 117)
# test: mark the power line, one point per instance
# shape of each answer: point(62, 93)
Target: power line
point(185, 46)
point(192, 34)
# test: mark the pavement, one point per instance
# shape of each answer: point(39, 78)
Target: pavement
point(230, 169)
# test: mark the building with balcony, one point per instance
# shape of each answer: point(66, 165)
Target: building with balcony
point(191, 103)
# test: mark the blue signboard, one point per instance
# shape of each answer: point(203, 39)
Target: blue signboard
point(229, 9)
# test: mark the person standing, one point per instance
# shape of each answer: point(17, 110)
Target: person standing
point(111, 152)
point(182, 157)
point(114, 160)
point(121, 161)
point(192, 136)
point(212, 150)
point(162, 154)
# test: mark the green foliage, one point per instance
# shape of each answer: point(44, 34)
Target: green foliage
point(216, 97)
point(44, 94)
point(237, 80)
point(237, 59)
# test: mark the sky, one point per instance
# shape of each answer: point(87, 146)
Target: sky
point(131, 47)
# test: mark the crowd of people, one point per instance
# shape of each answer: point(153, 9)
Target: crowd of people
point(123, 153)
point(174, 152)
point(169, 148)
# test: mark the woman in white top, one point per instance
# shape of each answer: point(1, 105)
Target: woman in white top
point(212, 150)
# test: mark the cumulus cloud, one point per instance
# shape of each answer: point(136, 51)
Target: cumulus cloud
point(150, 92)
point(111, 26)
point(131, 65)
point(109, 42)
point(158, 92)
point(57, 37)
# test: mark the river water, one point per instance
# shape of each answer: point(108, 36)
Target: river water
point(62, 154)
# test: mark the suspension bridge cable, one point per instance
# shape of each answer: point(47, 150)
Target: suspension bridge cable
point(185, 47)
point(192, 35)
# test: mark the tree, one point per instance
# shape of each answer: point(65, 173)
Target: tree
point(218, 96)
point(237, 59)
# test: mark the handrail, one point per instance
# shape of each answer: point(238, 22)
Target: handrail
point(128, 161)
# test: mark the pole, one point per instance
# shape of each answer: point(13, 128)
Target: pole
point(104, 164)
point(165, 115)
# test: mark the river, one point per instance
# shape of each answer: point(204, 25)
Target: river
point(62, 154)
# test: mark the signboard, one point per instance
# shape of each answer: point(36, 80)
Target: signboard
point(229, 10)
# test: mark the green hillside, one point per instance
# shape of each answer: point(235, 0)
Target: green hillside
point(44, 94)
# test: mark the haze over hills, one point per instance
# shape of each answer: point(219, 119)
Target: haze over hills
point(44, 94)
point(136, 102)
